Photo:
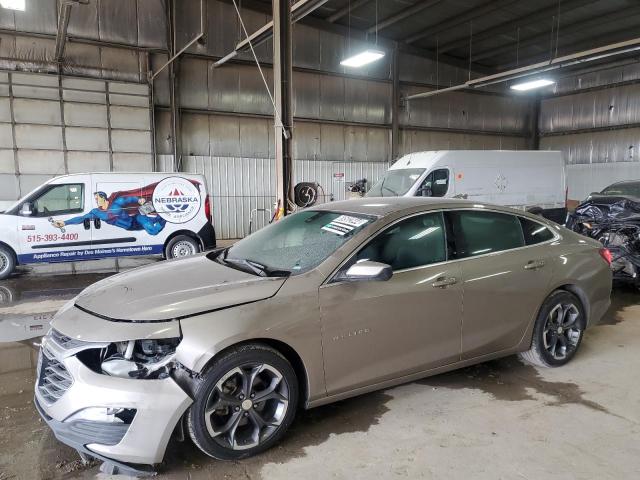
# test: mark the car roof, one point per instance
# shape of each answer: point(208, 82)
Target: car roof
point(382, 206)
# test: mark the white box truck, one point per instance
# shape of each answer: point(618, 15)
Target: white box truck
point(100, 215)
point(527, 180)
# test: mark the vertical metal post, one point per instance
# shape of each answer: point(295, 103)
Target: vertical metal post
point(282, 76)
point(173, 89)
point(534, 116)
point(395, 103)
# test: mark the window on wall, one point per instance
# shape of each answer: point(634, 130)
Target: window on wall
point(435, 185)
point(478, 233)
point(410, 243)
point(59, 200)
point(534, 232)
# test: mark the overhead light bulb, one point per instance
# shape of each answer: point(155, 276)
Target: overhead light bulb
point(362, 58)
point(13, 4)
point(542, 82)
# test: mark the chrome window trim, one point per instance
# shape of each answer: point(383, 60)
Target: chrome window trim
point(556, 236)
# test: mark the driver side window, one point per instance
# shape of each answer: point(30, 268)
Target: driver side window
point(436, 184)
point(414, 242)
point(60, 200)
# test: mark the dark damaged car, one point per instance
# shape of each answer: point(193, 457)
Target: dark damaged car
point(612, 217)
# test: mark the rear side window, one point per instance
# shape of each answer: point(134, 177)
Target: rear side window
point(413, 242)
point(534, 232)
point(477, 233)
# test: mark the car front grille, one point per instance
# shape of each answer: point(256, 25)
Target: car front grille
point(53, 378)
point(65, 342)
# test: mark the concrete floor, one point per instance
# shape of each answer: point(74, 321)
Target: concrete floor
point(500, 419)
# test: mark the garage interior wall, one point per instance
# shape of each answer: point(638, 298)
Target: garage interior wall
point(342, 119)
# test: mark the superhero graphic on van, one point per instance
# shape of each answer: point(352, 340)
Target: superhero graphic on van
point(130, 210)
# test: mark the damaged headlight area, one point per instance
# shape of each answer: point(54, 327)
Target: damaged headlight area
point(139, 359)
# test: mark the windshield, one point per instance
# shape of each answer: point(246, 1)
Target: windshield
point(395, 183)
point(296, 243)
point(631, 189)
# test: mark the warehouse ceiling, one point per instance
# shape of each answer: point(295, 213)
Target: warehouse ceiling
point(500, 34)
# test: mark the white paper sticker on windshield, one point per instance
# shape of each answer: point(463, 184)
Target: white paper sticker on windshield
point(344, 224)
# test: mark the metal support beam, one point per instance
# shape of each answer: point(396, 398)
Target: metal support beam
point(457, 20)
point(578, 58)
point(64, 14)
point(173, 89)
point(393, 19)
point(511, 26)
point(343, 12)
point(282, 77)
point(534, 117)
point(395, 104)
point(299, 10)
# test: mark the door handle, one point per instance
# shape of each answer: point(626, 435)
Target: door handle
point(87, 224)
point(97, 223)
point(444, 282)
point(534, 265)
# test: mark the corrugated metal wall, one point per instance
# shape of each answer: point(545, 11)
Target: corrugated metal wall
point(595, 127)
point(51, 125)
point(242, 188)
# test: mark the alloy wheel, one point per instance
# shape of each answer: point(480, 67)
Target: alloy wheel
point(246, 406)
point(562, 330)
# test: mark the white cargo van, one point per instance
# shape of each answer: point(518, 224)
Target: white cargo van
point(100, 215)
point(527, 180)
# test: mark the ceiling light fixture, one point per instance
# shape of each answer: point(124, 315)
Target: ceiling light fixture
point(542, 82)
point(362, 58)
point(13, 4)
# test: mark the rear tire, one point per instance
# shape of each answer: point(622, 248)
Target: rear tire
point(558, 331)
point(244, 404)
point(181, 246)
point(7, 262)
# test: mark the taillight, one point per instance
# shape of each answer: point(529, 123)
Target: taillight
point(207, 207)
point(606, 254)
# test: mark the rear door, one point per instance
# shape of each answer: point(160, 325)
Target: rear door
point(506, 271)
point(56, 230)
point(379, 330)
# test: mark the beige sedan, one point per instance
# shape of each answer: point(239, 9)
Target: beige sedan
point(331, 302)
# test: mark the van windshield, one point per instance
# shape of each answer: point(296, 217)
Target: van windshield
point(395, 183)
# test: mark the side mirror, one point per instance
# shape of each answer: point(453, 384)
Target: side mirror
point(26, 210)
point(368, 271)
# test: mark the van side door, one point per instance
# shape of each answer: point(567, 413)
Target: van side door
point(51, 224)
point(124, 222)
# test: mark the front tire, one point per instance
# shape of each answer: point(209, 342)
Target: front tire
point(558, 331)
point(7, 262)
point(181, 246)
point(244, 404)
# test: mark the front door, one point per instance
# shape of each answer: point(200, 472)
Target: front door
point(379, 330)
point(44, 235)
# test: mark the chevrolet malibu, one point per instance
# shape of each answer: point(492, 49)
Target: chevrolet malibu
point(328, 303)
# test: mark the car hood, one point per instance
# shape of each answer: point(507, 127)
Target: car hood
point(609, 207)
point(174, 290)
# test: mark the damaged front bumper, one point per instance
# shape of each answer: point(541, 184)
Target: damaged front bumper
point(66, 388)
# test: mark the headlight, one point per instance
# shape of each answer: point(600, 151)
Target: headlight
point(144, 359)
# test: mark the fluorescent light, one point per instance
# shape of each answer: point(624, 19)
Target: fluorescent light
point(543, 82)
point(362, 58)
point(13, 4)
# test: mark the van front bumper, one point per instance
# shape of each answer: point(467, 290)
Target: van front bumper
point(158, 406)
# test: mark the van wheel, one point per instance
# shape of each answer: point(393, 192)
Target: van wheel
point(7, 262)
point(181, 246)
point(558, 331)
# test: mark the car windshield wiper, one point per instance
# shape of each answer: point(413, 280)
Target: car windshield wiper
point(250, 266)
